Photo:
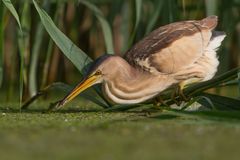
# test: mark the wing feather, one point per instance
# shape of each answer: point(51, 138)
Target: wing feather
point(172, 47)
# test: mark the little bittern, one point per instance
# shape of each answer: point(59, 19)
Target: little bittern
point(178, 53)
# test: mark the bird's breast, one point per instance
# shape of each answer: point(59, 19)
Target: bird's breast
point(135, 92)
point(119, 96)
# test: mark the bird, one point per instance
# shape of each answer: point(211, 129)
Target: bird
point(180, 53)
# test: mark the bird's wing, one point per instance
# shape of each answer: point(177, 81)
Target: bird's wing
point(172, 47)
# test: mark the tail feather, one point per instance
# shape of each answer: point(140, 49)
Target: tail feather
point(216, 40)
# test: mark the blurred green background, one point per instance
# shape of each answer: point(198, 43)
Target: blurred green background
point(43, 62)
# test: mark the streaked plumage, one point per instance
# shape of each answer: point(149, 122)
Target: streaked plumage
point(172, 47)
point(178, 53)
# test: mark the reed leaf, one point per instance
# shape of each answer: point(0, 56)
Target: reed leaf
point(155, 15)
point(198, 89)
point(13, 11)
point(47, 64)
point(200, 99)
point(34, 59)
point(107, 32)
point(138, 4)
point(11, 8)
point(59, 86)
point(38, 39)
point(221, 102)
point(223, 78)
point(138, 9)
point(69, 49)
point(24, 47)
point(49, 52)
point(124, 28)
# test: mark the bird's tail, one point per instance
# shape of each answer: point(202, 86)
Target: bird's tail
point(216, 40)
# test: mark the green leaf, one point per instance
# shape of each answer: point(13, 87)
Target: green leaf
point(104, 24)
point(215, 82)
point(62, 87)
point(138, 12)
point(197, 99)
point(69, 49)
point(38, 39)
point(49, 50)
point(138, 5)
point(24, 45)
point(155, 15)
point(11, 8)
point(34, 59)
point(221, 102)
point(124, 28)
point(47, 63)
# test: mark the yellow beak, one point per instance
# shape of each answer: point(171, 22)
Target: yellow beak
point(86, 83)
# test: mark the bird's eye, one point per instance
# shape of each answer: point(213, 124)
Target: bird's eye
point(98, 72)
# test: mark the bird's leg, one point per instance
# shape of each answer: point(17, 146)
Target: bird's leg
point(182, 85)
point(174, 94)
point(158, 101)
point(178, 92)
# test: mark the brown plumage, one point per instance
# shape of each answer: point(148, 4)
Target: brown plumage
point(173, 46)
point(178, 53)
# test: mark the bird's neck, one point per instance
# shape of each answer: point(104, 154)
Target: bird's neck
point(134, 85)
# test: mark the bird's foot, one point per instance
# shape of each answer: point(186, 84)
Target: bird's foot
point(175, 96)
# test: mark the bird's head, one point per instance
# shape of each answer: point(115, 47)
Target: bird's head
point(100, 70)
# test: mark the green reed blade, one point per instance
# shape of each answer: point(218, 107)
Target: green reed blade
point(107, 32)
point(11, 8)
point(69, 49)
point(138, 9)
